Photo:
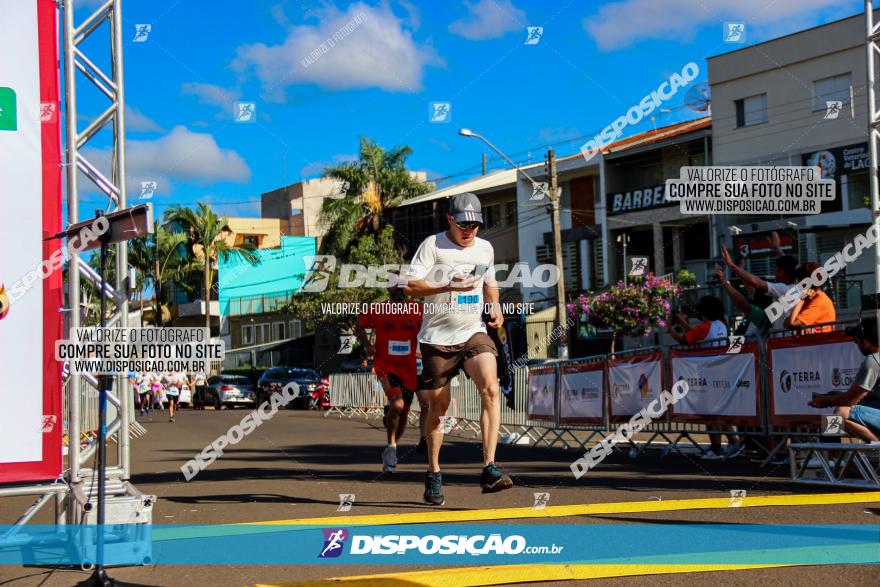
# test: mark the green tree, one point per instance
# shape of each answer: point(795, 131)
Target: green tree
point(205, 232)
point(161, 258)
point(376, 182)
point(368, 250)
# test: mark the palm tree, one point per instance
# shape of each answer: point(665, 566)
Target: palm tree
point(377, 181)
point(205, 232)
point(160, 257)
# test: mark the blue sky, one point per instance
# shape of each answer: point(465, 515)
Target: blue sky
point(593, 62)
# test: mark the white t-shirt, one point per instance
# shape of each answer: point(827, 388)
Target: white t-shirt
point(717, 330)
point(452, 318)
point(776, 290)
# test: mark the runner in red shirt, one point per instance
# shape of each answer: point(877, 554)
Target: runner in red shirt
point(396, 325)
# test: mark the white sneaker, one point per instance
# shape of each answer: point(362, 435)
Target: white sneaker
point(814, 463)
point(389, 459)
point(733, 450)
point(711, 455)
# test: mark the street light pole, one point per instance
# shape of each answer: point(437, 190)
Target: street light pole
point(557, 235)
point(872, 33)
point(624, 239)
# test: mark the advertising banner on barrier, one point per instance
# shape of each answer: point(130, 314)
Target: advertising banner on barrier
point(803, 365)
point(582, 389)
point(31, 422)
point(723, 387)
point(542, 394)
point(633, 383)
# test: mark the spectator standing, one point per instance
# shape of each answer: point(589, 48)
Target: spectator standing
point(200, 385)
point(814, 308)
point(784, 271)
point(713, 326)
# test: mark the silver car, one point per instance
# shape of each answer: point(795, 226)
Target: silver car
point(231, 391)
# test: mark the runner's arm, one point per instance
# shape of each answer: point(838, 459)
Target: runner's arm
point(793, 321)
point(852, 396)
point(419, 288)
point(747, 278)
point(737, 298)
point(490, 291)
point(776, 244)
point(364, 339)
point(677, 336)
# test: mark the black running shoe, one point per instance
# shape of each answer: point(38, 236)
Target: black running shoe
point(493, 479)
point(434, 489)
point(422, 446)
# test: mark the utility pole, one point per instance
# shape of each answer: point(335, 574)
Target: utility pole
point(157, 280)
point(484, 164)
point(557, 236)
point(561, 311)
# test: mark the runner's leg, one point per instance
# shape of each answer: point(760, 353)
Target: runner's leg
point(423, 413)
point(483, 370)
point(438, 403)
point(402, 422)
point(854, 428)
point(393, 419)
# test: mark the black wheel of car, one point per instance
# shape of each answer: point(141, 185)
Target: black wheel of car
point(217, 405)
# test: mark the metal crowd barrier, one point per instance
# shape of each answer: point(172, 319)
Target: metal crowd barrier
point(355, 394)
point(88, 412)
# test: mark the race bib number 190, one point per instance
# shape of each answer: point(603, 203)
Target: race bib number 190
point(465, 299)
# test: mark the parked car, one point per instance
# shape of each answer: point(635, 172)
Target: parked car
point(230, 391)
point(314, 391)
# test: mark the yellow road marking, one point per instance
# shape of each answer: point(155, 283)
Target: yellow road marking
point(592, 509)
point(499, 575)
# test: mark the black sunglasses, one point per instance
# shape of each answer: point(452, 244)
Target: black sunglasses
point(467, 225)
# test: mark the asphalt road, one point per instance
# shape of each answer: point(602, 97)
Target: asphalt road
point(295, 465)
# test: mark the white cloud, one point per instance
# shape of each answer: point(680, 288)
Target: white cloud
point(378, 51)
point(489, 19)
point(212, 95)
point(179, 156)
point(137, 121)
point(621, 24)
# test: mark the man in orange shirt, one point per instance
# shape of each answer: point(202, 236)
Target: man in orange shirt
point(814, 308)
point(396, 325)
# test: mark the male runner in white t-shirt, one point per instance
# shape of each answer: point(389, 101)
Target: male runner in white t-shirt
point(453, 271)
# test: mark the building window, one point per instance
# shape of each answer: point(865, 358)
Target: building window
point(510, 210)
point(857, 191)
point(751, 110)
point(294, 328)
point(247, 334)
point(263, 330)
point(252, 240)
point(492, 216)
point(571, 261)
point(278, 330)
point(652, 174)
point(696, 242)
point(835, 88)
point(697, 158)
